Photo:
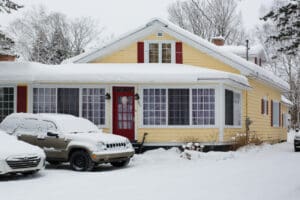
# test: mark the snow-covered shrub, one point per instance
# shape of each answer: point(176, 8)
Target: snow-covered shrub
point(192, 146)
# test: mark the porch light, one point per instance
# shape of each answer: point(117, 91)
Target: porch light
point(136, 96)
point(107, 96)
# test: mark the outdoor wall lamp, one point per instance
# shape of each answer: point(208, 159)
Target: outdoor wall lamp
point(107, 96)
point(136, 96)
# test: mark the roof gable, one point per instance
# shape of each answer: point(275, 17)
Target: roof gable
point(245, 67)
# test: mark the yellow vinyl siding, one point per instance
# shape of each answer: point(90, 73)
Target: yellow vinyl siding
point(126, 55)
point(261, 124)
point(157, 135)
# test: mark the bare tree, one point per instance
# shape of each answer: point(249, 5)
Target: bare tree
point(62, 37)
point(209, 18)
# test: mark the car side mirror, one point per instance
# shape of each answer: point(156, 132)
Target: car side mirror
point(50, 134)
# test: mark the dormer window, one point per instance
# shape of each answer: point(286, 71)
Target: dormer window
point(159, 52)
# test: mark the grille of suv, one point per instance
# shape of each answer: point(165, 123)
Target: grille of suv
point(116, 145)
point(23, 162)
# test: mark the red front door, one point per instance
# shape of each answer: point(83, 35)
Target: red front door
point(123, 111)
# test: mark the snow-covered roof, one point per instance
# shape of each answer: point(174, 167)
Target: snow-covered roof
point(113, 73)
point(286, 101)
point(157, 24)
point(254, 51)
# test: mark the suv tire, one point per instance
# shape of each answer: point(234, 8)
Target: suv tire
point(81, 161)
point(55, 163)
point(120, 163)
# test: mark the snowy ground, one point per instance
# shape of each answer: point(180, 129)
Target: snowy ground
point(265, 172)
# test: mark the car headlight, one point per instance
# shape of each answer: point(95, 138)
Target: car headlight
point(128, 144)
point(100, 146)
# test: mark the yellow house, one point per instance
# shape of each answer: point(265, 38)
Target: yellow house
point(158, 79)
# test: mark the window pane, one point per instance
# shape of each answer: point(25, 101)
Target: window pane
point(178, 106)
point(6, 102)
point(153, 53)
point(154, 106)
point(93, 105)
point(237, 109)
point(275, 114)
point(228, 107)
point(68, 101)
point(203, 107)
point(44, 100)
point(166, 53)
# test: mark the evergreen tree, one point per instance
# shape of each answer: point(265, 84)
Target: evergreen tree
point(6, 43)
point(59, 47)
point(287, 20)
point(40, 49)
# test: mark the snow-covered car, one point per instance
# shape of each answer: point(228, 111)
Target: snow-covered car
point(66, 138)
point(19, 157)
point(297, 141)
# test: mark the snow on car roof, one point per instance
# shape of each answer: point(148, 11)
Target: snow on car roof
point(113, 73)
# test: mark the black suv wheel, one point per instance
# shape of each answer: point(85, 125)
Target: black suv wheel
point(120, 163)
point(81, 161)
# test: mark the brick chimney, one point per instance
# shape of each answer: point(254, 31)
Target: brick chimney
point(4, 57)
point(219, 41)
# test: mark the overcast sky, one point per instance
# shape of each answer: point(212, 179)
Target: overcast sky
point(119, 16)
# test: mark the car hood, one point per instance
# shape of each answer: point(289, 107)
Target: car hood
point(11, 146)
point(96, 137)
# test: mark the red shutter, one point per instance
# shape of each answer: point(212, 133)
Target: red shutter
point(279, 114)
point(178, 52)
point(271, 112)
point(262, 106)
point(140, 52)
point(22, 99)
point(267, 107)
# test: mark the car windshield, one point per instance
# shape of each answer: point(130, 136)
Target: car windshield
point(77, 125)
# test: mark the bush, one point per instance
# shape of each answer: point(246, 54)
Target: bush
point(241, 139)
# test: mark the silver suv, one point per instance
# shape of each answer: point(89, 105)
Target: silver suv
point(66, 138)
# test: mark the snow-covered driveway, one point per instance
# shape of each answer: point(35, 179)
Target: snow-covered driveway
point(266, 172)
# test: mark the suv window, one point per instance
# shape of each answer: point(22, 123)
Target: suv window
point(47, 126)
point(10, 124)
point(29, 126)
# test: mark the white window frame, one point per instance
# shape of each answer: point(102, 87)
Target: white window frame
point(159, 42)
point(190, 125)
point(241, 108)
point(15, 94)
point(80, 87)
point(277, 114)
